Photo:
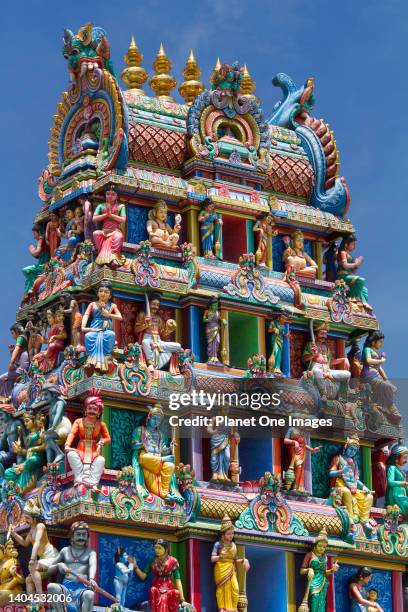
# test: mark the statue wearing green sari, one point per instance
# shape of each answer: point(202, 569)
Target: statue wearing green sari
point(314, 566)
point(397, 484)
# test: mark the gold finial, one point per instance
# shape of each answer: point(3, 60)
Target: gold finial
point(247, 84)
point(215, 71)
point(134, 75)
point(192, 86)
point(162, 82)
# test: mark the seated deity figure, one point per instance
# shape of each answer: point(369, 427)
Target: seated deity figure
point(344, 475)
point(295, 257)
point(91, 435)
point(161, 234)
point(347, 268)
point(150, 329)
point(153, 459)
point(11, 579)
point(19, 360)
point(109, 238)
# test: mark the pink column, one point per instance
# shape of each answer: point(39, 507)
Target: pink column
point(330, 601)
point(193, 573)
point(397, 594)
point(94, 545)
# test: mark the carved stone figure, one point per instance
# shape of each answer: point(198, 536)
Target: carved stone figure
point(295, 474)
point(11, 579)
point(19, 360)
point(124, 568)
point(161, 234)
point(213, 329)
point(41, 252)
point(71, 308)
point(263, 229)
point(109, 238)
point(357, 585)
point(210, 229)
point(47, 360)
point(315, 567)
point(277, 329)
point(12, 431)
point(221, 441)
point(397, 483)
point(296, 258)
point(59, 425)
point(347, 268)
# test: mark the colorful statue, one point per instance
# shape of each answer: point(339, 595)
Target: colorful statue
point(19, 360)
point(213, 321)
point(45, 361)
point(330, 262)
point(124, 568)
point(355, 496)
point(99, 335)
point(12, 429)
point(41, 253)
point(11, 578)
point(70, 307)
point(43, 553)
point(221, 440)
point(358, 601)
point(32, 332)
point(295, 474)
point(397, 483)
point(59, 425)
point(86, 50)
point(53, 233)
point(150, 329)
point(225, 558)
point(379, 458)
point(91, 435)
point(228, 78)
point(296, 258)
point(347, 266)
point(109, 239)
point(314, 566)
point(166, 591)
point(263, 228)
point(161, 235)
point(277, 329)
point(373, 374)
point(153, 459)
point(77, 563)
point(210, 229)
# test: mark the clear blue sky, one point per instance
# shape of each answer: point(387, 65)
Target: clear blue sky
point(357, 52)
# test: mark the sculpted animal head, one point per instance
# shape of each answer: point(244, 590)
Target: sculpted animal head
point(86, 50)
point(295, 100)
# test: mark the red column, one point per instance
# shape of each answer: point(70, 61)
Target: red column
point(193, 573)
point(397, 594)
point(94, 545)
point(330, 601)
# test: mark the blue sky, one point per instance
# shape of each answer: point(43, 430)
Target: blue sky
point(356, 51)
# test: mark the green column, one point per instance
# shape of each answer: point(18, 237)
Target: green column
point(366, 466)
point(250, 236)
point(107, 450)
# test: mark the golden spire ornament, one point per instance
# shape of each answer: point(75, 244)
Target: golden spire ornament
point(247, 84)
point(215, 71)
point(192, 86)
point(134, 75)
point(162, 82)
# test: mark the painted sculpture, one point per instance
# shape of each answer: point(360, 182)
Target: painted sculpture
point(53, 233)
point(108, 240)
point(153, 459)
point(347, 268)
point(12, 430)
point(90, 435)
point(11, 578)
point(19, 360)
point(32, 331)
point(124, 568)
point(97, 325)
point(315, 567)
point(59, 425)
point(161, 234)
point(47, 360)
point(357, 587)
point(296, 258)
point(295, 474)
point(210, 229)
point(214, 325)
point(225, 558)
point(397, 484)
point(223, 443)
point(40, 252)
point(70, 308)
point(263, 229)
point(278, 331)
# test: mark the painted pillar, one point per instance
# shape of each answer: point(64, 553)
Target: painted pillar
point(193, 595)
point(286, 352)
point(107, 449)
point(366, 466)
point(241, 575)
point(276, 456)
point(269, 253)
point(94, 545)
point(340, 348)
point(308, 467)
point(317, 252)
point(250, 236)
point(179, 323)
point(397, 592)
point(261, 336)
point(193, 326)
point(290, 582)
point(192, 228)
point(196, 452)
point(224, 338)
point(331, 599)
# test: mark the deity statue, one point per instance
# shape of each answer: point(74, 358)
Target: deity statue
point(70, 307)
point(43, 553)
point(161, 235)
point(373, 374)
point(222, 437)
point(296, 258)
point(12, 430)
point(379, 458)
point(11, 578)
point(46, 360)
point(397, 483)
point(213, 322)
point(41, 252)
point(348, 266)
point(277, 329)
point(228, 78)
point(59, 425)
point(73, 233)
point(314, 566)
point(109, 239)
point(355, 496)
point(99, 335)
point(210, 229)
point(153, 459)
point(19, 360)
point(358, 601)
point(263, 228)
point(91, 435)
point(150, 329)
point(88, 224)
point(330, 262)
point(166, 591)
point(77, 563)
point(354, 358)
point(26, 473)
point(295, 474)
point(124, 568)
point(372, 597)
point(225, 558)
point(32, 332)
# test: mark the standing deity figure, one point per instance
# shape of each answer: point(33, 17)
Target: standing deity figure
point(41, 252)
point(47, 360)
point(124, 568)
point(213, 322)
point(161, 234)
point(77, 563)
point(397, 484)
point(19, 360)
point(347, 268)
point(225, 558)
point(97, 325)
point(12, 429)
point(315, 567)
point(88, 225)
point(43, 553)
point(373, 374)
point(109, 238)
point(263, 228)
point(277, 329)
point(355, 496)
point(153, 459)
point(357, 592)
point(70, 307)
point(166, 591)
point(330, 262)
point(32, 331)
point(53, 233)
point(221, 440)
point(210, 229)
point(11, 579)
point(295, 474)
point(76, 231)
point(91, 435)
point(59, 425)
point(295, 257)
point(150, 329)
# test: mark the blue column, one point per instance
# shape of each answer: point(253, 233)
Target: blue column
point(286, 353)
point(250, 236)
point(193, 326)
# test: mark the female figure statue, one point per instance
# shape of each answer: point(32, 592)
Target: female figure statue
point(264, 230)
point(161, 235)
point(220, 444)
point(397, 484)
point(314, 566)
point(213, 321)
point(70, 307)
point(53, 233)
point(109, 239)
point(19, 360)
point(99, 334)
point(47, 360)
point(124, 568)
point(374, 375)
point(347, 268)
point(41, 252)
point(295, 257)
point(295, 474)
point(277, 328)
point(43, 553)
point(210, 229)
point(359, 603)
point(225, 558)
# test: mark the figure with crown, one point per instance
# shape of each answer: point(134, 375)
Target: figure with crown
point(315, 567)
point(111, 216)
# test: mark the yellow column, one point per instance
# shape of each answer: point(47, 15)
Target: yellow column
point(224, 338)
point(290, 582)
point(269, 255)
point(241, 575)
point(192, 228)
point(317, 252)
point(261, 336)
